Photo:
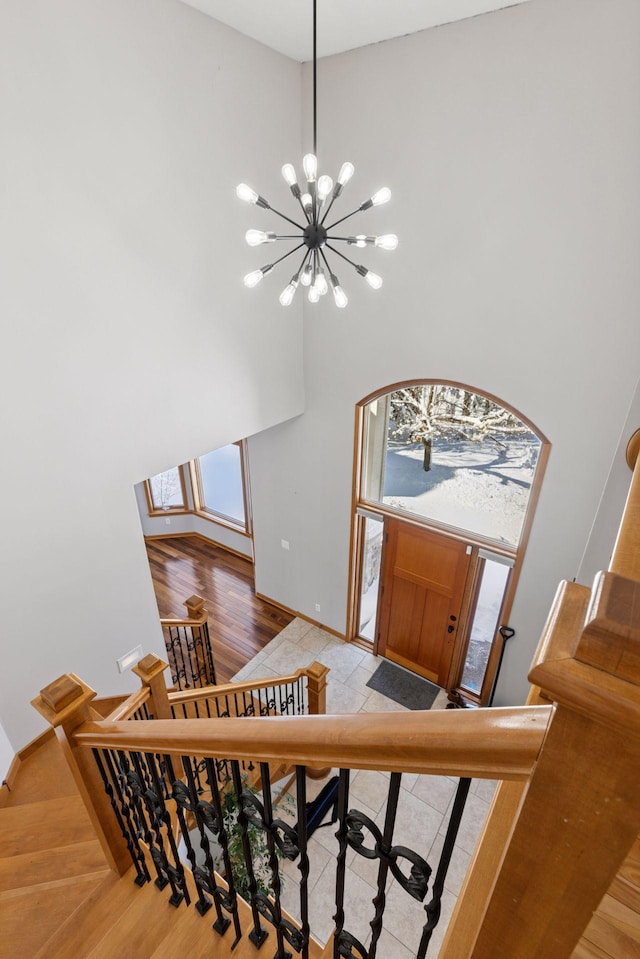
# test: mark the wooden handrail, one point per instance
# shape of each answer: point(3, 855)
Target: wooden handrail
point(127, 708)
point(625, 560)
point(549, 855)
point(486, 743)
point(178, 696)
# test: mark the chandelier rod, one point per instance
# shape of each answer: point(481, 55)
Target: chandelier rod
point(315, 103)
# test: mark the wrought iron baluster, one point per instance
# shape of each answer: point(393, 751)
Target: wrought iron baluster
point(271, 910)
point(186, 801)
point(181, 671)
point(341, 836)
point(147, 803)
point(301, 707)
point(383, 869)
point(132, 785)
point(209, 654)
point(122, 816)
point(433, 907)
point(303, 865)
point(175, 870)
point(257, 934)
point(230, 899)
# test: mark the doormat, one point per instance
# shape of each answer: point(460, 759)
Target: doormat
point(403, 687)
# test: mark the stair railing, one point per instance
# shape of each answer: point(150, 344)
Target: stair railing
point(551, 848)
point(188, 646)
point(146, 771)
point(569, 801)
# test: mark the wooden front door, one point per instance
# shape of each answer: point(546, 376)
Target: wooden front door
point(423, 581)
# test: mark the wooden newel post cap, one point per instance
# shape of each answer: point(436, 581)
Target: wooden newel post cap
point(149, 667)
point(63, 697)
point(633, 449)
point(195, 607)
point(318, 672)
point(610, 639)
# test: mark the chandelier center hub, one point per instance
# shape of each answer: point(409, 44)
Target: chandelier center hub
point(315, 236)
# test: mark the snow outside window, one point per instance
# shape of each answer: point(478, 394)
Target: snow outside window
point(451, 456)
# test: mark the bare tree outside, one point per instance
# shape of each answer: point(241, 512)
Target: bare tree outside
point(166, 489)
point(420, 414)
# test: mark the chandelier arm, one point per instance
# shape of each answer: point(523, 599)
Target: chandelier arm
point(353, 213)
point(326, 212)
point(306, 214)
point(284, 257)
point(287, 218)
point(333, 250)
point(305, 259)
point(326, 262)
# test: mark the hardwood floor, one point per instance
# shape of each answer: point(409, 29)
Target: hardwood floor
point(240, 625)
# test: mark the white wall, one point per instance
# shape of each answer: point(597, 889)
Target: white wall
point(6, 753)
point(597, 554)
point(128, 341)
point(512, 145)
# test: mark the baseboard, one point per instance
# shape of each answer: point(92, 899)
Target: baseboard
point(22, 754)
point(35, 744)
point(205, 539)
point(294, 612)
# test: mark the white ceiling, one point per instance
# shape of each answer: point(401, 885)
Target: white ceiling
point(286, 25)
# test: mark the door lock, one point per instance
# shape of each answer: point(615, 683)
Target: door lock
point(450, 629)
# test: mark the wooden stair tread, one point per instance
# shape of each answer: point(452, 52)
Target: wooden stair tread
point(42, 775)
point(92, 920)
point(615, 929)
point(51, 865)
point(29, 919)
point(148, 920)
point(32, 827)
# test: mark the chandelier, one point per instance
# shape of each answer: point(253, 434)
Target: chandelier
point(315, 235)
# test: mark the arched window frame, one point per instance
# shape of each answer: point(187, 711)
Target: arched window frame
point(361, 507)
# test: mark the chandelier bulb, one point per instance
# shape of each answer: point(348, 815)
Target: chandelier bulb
point(252, 279)
point(289, 173)
point(389, 241)
point(325, 186)
point(305, 279)
point(314, 296)
point(288, 293)
point(321, 282)
point(310, 167)
point(339, 296)
point(360, 241)
point(381, 196)
point(307, 202)
point(244, 192)
point(346, 172)
point(256, 237)
point(374, 281)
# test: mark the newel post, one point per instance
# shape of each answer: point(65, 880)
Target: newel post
point(150, 672)
point(66, 705)
point(317, 704)
point(197, 612)
point(317, 688)
point(580, 815)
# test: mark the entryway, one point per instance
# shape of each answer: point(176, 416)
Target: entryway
point(446, 482)
point(424, 575)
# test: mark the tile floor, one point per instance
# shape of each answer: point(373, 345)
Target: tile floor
point(423, 809)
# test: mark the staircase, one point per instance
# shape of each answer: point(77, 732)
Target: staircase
point(555, 874)
point(51, 862)
point(59, 900)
